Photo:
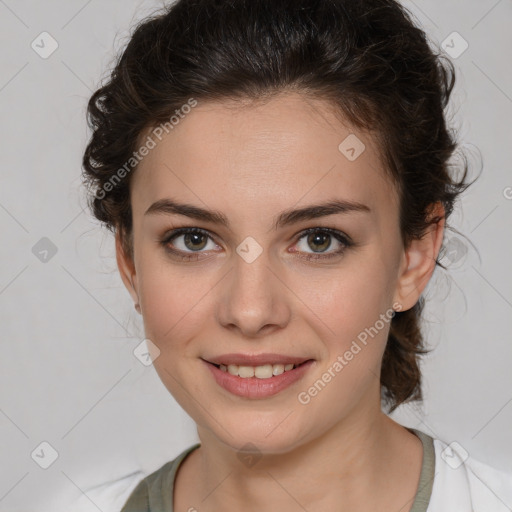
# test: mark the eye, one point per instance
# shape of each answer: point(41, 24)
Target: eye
point(320, 239)
point(195, 240)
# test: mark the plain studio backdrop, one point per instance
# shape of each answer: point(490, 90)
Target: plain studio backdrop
point(77, 407)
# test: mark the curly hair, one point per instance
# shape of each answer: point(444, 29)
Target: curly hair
point(367, 58)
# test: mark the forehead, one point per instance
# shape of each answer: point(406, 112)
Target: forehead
point(287, 149)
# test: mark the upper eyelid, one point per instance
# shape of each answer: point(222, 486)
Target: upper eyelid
point(301, 234)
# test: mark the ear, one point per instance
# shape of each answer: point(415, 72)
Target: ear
point(419, 260)
point(126, 268)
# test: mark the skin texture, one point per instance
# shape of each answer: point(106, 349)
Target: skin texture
point(251, 162)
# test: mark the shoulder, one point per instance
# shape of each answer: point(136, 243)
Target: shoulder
point(155, 491)
point(464, 483)
point(108, 496)
point(136, 492)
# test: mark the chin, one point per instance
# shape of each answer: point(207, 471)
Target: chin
point(251, 433)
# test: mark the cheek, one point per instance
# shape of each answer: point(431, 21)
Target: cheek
point(173, 304)
point(352, 316)
point(173, 299)
point(347, 301)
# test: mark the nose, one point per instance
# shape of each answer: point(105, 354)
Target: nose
point(254, 301)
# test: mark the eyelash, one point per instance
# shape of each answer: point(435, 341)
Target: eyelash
point(340, 237)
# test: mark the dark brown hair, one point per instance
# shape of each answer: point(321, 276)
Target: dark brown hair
point(366, 57)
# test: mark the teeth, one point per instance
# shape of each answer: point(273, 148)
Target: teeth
point(245, 371)
point(261, 372)
point(277, 369)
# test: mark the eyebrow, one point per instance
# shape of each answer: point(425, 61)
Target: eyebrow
point(285, 218)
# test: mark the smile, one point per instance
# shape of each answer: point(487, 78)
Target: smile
point(265, 371)
point(260, 381)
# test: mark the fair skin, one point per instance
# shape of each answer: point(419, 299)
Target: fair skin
point(338, 452)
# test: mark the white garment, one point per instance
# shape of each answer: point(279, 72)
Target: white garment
point(108, 497)
point(460, 485)
point(466, 484)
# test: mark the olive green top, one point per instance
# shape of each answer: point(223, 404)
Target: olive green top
point(155, 492)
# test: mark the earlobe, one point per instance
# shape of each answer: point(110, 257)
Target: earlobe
point(127, 271)
point(420, 260)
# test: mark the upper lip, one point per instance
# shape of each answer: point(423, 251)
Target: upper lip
point(256, 359)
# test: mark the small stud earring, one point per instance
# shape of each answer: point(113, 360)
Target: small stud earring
point(137, 307)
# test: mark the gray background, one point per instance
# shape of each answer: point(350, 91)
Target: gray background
point(68, 375)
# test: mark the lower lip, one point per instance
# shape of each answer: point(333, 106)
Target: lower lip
point(252, 387)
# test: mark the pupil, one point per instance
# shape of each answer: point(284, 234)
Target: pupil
point(189, 237)
point(315, 236)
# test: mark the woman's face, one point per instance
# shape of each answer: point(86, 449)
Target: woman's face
point(256, 283)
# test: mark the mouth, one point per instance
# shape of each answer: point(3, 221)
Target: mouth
point(264, 371)
point(261, 381)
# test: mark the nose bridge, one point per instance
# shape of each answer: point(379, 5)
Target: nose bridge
point(251, 273)
point(251, 279)
point(254, 297)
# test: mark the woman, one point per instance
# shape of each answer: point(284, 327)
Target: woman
point(276, 175)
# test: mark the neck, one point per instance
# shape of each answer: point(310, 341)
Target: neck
point(349, 467)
